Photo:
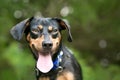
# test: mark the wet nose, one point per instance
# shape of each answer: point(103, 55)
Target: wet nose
point(47, 44)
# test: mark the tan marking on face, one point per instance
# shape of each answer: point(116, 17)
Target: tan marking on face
point(37, 43)
point(63, 25)
point(27, 23)
point(28, 37)
point(40, 27)
point(56, 42)
point(44, 78)
point(50, 28)
point(65, 76)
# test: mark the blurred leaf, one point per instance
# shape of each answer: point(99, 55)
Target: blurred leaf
point(19, 59)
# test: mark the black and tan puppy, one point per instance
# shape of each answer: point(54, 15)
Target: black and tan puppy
point(53, 60)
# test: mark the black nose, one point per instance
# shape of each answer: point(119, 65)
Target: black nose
point(47, 44)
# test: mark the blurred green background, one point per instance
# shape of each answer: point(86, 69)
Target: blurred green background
point(95, 26)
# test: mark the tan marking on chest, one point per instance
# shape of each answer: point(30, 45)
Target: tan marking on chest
point(65, 76)
point(44, 78)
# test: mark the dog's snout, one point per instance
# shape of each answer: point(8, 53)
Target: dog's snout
point(47, 44)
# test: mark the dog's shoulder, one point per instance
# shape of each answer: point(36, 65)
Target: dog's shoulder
point(70, 62)
point(68, 57)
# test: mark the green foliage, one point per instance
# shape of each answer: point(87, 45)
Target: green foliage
point(19, 60)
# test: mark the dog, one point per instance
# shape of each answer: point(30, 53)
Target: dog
point(53, 60)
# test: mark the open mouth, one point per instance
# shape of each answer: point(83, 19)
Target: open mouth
point(44, 62)
point(44, 59)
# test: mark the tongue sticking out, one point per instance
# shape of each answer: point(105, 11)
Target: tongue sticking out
point(44, 63)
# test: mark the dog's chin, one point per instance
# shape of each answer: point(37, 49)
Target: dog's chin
point(44, 53)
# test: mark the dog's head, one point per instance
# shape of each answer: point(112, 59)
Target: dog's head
point(43, 36)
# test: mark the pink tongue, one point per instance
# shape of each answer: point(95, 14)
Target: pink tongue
point(44, 63)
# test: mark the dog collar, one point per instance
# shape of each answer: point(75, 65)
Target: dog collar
point(57, 61)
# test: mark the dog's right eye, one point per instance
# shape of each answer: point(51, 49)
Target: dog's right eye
point(35, 31)
point(55, 33)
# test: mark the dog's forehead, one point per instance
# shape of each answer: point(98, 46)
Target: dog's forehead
point(45, 22)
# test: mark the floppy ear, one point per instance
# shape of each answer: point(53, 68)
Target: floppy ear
point(64, 26)
point(18, 30)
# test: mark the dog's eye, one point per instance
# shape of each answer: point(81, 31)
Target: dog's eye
point(55, 30)
point(55, 33)
point(35, 31)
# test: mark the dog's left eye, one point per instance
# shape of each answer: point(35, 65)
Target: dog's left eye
point(55, 30)
point(54, 33)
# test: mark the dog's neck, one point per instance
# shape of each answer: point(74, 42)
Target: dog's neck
point(57, 52)
point(57, 61)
